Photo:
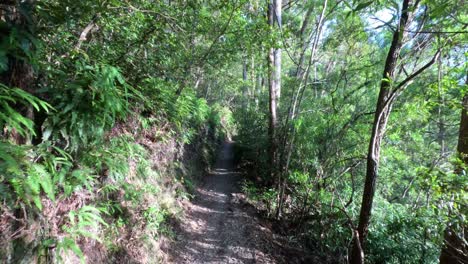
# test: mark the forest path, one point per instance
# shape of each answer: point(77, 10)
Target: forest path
point(220, 227)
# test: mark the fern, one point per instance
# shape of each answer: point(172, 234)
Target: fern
point(82, 220)
point(154, 218)
point(11, 157)
point(26, 181)
point(81, 223)
point(97, 97)
point(68, 244)
point(45, 180)
point(11, 118)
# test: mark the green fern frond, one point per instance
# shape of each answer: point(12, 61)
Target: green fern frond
point(12, 118)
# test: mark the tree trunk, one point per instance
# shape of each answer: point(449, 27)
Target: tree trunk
point(245, 88)
point(455, 250)
point(383, 109)
point(441, 135)
point(277, 4)
point(462, 146)
point(302, 76)
point(258, 87)
point(19, 16)
point(20, 72)
point(274, 65)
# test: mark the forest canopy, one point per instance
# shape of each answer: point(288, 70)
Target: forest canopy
point(349, 119)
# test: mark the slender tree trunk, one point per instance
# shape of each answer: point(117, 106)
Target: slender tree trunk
point(277, 4)
point(302, 75)
point(245, 87)
point(455, 249)
point(441, 120)
point(273, 122)
point(258, 86)
point(252, 78)
point(383, 109)
point(305, 42)
point(274, 65)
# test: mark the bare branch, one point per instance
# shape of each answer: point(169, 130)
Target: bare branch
point(85, 32)
point(422, 69)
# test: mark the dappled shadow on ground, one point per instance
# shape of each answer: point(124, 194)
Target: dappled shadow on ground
point(219, 227)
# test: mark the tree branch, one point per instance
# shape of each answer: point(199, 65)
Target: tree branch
point(85, 32)
point(422, 69)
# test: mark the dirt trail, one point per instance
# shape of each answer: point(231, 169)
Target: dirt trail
point(219, 227)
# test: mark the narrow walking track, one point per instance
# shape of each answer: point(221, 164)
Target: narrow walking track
point(219, 227)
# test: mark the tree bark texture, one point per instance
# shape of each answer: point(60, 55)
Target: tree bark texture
point(274, 65)
point(19, 16)
point(20, 72)
point(455, 249)
point(382, 113)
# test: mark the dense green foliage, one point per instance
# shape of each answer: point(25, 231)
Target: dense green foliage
point(107, 107)
point(417, 185)
point(107, 91)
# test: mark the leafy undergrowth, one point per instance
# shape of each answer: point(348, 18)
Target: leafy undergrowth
point(322, 230)
point(95, 194)
point(95, 150)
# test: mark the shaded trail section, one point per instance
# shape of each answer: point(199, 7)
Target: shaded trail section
point(220, 227)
